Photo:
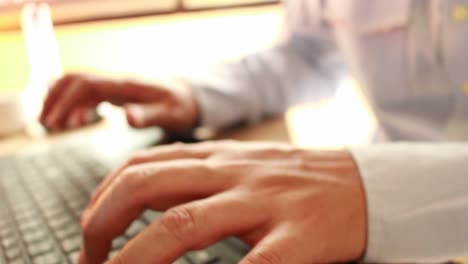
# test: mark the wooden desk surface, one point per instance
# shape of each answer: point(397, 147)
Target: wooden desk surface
point(270, 130)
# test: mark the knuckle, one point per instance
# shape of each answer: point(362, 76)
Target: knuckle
point(224, 141)
point(136, 158)
point(132, 177)
point(215, 148)
point(210, 145)
point(89, 230)
point(92, 229)
point(179, 146)
point(229, 144)
point(180, 222)
point(264, 257)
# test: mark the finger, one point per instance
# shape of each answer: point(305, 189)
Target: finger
point(127, 91)
point(65, 104)
point(189, 227)
point(168, 116)
point(144, 115)
point(157, 186)
point(81, 115)
point(162, 153)
point(54, 93)
point(75, 117)
point(281, 246)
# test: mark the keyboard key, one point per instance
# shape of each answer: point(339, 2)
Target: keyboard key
point(61, 221)
point(99, 171)
point(225, 253)
point(52, 208)
point(71, 244)
point(118, 243)
point(39, 248)
point(113, 253)
point(67, 231)
point(78, 212)
point(9, 241)
point(73, 257)
point(13, 252)
point(238, 245)
point(135, 228)
point(53, 212)
point(4, 223)
point(23, 207)
point(26, 215)
point(80, 203)
point(70, 192)
point(6, 232)
point(34, 236)
point(18, 260)
point(201, 257)
point(48, 258)
point(181, 261)
point(52, 172)
point(29, 225)
point(151, 215)
point(221, 261)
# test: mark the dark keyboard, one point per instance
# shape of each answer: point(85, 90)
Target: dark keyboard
point(42, 196)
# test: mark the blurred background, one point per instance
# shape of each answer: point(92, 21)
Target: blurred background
point(143, 37)
point(160, 39)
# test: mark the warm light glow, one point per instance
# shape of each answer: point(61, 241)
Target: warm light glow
point(343, 121)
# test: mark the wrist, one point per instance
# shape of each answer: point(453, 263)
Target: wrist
point(189, 103)
point(344, 185)
point(358, 218)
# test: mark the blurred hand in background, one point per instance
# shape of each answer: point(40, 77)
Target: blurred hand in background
point(73, 97)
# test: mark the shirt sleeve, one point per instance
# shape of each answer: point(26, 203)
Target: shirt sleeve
point(417, 199)
point(303, 69)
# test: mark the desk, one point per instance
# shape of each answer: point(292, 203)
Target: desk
point(270, 130)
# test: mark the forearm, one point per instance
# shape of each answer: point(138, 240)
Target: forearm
point(417, 201)
point(265, 84)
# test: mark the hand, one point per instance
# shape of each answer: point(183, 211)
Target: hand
point(73, 96)
point(291, 205)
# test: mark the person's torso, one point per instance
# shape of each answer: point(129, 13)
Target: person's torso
point(409, 57)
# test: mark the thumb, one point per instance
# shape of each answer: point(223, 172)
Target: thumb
point(145, 115)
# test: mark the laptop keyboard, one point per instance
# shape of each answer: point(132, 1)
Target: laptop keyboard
point(42, 196)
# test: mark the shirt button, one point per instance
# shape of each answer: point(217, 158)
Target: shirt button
point(465, 88)
point(460, 13)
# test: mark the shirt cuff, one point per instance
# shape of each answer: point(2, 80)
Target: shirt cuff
point(417, 203)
